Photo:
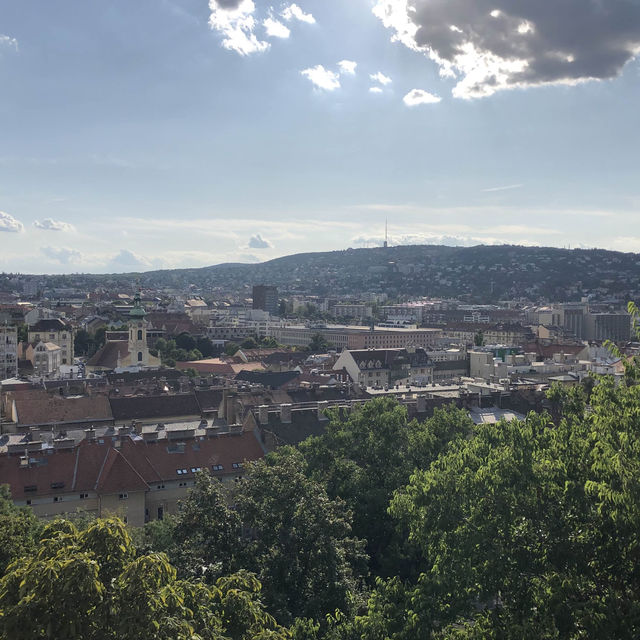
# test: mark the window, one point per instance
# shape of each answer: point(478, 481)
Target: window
point(182, 484)
point(123, 496)
point(139, 334)
point(195, 469)
point(30, 488)
point(83, 496)
point(160, 486)
point(57, 498)
point(181, 472)
point(237, 465)
point(217, 467)
point(139, 356)
point(28, 502)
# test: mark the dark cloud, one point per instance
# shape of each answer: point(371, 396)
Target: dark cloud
point(258, 242)
point(498, 44)
point(228, 4)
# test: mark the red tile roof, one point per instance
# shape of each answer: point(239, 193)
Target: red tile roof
point(133, 466)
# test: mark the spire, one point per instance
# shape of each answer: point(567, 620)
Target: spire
point(138, 310)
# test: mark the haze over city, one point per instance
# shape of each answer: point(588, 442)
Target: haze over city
point(180, 133)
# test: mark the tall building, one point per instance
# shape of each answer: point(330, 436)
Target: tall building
point(8, 352)
point(266, 298)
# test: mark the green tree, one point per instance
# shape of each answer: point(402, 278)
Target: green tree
point(186, 341)
point(91, 585)
point(82, 342)
point(19, 529)
point(299, 541)
point(365, 456)
point(205, 347)
point(249, 343)
point(231, 348)
point(478, 339)
point(318, 343)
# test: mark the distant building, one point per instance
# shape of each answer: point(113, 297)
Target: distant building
point(266, 298)
point(46, 358)
point(8, 352)
point(57, 332)
point(125, 349)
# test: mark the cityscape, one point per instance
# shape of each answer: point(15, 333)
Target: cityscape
point(319, 321)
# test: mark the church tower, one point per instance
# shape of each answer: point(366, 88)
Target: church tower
point(138, 350)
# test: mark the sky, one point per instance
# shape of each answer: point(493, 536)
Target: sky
point(183, 133)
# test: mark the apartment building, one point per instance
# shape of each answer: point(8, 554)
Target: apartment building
point(8, 352)
point(56, 331)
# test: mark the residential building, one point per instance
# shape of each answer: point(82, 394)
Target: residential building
point(139, 476)
point(46, 358)
point(358, 311)
point(8, 352)
point(384, 367)
point(56, 331)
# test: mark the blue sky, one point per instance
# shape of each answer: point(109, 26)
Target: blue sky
point(172, 133)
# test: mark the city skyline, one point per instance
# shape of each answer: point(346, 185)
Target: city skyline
point(183, 133)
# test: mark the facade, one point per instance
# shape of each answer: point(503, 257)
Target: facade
point(56, 331)
point(8, 352)
point(351, 337)
point(266, 298)
point(385, 367)
point(607, 326)
point(46, 358)
point(359, 311)
point(126, 349)
point(138, 476)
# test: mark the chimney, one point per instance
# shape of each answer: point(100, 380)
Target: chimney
point(263, 414)
point(285, 413)
point(230, 409)
point(223, 404)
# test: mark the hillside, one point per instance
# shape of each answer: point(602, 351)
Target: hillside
point(475, 273)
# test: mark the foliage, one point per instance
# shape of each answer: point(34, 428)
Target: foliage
point(90, 585)
point(249, 343)
point(365, 456)
point(318, 343)
point(299, 541)
point(230, 348)
point(19, 529)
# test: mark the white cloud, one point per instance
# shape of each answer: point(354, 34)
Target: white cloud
point(293, 11)
point(505, 188)
point(127, 260)
point(10, 224)
point(276, 29)
point(235, 21)
point(258, 242)
point(375, 90)
point(416, 97)
point(381, 78)
point(491, 45)
point(63, 255)
point(6, 41)
point(49, 224)
point(322, 78)
point(347, 67)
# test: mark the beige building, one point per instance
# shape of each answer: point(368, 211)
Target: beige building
point(139, 476)
point(126, 349)
point(56, 331)
point(46, 358)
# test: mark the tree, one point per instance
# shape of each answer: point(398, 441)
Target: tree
point(91, 585)
point(186, 341)
point(318, 343)
point(231, 348)
point(205, 347)
point(249, 343)
point(529, 528)
point(19, 529)
point(82, 342)
point(368, 454)
point(206, 532)
point(299, 541)
point(478, 339)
